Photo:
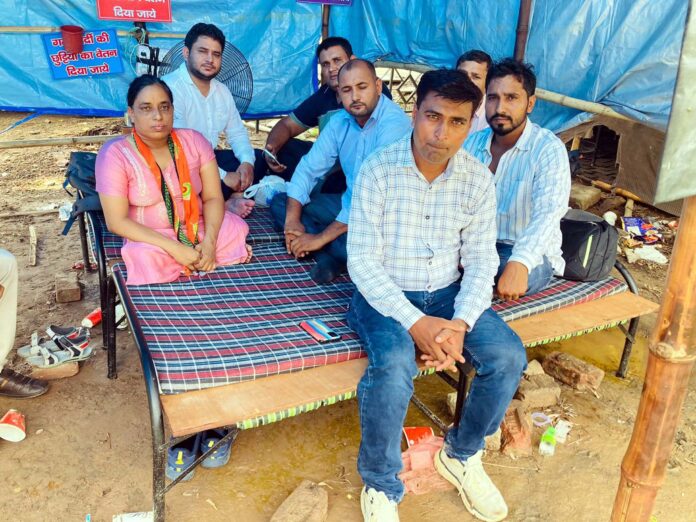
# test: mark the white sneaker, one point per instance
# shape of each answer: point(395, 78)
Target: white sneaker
point(376, 507)
point(480, 496)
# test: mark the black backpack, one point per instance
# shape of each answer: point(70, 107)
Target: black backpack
point(589, 246)
point(80, 176)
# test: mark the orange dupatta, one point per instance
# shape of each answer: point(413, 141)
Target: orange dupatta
point(191, 210)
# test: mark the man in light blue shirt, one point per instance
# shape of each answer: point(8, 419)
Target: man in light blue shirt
point(317, 223)
point(532, 181)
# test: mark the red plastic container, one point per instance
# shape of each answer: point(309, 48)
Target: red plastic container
point(72, 38)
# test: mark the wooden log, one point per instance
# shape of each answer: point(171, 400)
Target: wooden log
point(606, 187)
point(52, 142)
point(32, 245)
point(308, 503)
point(28, 213)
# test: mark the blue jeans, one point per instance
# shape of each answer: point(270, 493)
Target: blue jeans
point(385, 389)
point(318, 214)
point(539, 278)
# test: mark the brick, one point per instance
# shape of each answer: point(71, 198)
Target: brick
point(308, 503)
point(538, 391)
point(534, 368)
point(572, 371)
point(67, 288)
point(493, 441)
point(516, 432)
point(583, 196)
point(57, 372)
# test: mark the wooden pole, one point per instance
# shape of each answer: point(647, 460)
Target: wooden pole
point(325, 12)
point(33, 243)
point(581, 105)
point(670, 361)
point(25, 29)
point(522, 29)
point(673, 343)
point(542, 94)
point(51, 142)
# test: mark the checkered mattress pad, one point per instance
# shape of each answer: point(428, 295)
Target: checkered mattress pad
point(241, 322)
point(261, 231)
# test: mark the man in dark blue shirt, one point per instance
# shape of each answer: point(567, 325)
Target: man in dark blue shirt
point(315, 111)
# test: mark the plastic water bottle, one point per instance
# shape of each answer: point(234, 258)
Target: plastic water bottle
point(547, 445)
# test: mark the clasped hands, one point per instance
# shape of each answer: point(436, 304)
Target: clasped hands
point(298, 242)
point(199, 258)
point(441, 341)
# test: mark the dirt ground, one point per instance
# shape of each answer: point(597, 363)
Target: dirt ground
point(88, 449)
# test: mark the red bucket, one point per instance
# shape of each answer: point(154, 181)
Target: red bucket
point(72, 38)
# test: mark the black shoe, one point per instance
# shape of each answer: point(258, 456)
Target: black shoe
point(326, 270)
point(18, 386)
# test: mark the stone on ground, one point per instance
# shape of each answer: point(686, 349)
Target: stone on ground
point(308, 503)
point(584, 196)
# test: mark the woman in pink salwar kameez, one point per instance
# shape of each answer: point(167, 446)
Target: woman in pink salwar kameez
point(160, 190)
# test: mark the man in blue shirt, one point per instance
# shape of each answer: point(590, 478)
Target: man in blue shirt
point(315, 111)
point(316, 222)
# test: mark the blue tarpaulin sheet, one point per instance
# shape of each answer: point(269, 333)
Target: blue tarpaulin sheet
point(277, 37)
point(622, 53)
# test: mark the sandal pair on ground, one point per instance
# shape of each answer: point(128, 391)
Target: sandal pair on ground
point(182, 455)
point(66, 345)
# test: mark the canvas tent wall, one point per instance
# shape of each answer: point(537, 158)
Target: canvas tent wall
point(622, 53)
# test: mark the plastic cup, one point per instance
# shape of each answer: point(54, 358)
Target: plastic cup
point(93, 318)
point(12, 426)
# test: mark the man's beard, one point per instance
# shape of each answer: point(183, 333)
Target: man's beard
point(206, 77)
point(498, 131)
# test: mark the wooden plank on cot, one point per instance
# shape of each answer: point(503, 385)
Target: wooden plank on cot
point(226, 405)
point(195, 411)
point(578, 318)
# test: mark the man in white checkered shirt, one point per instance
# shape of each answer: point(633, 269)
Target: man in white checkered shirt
point(532, 181)
point(421, 252)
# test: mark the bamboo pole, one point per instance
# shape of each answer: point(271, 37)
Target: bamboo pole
point(542, 94)
point(581, 105)
point(25, 29)
point(673, 343)
point(52, 142)
point(325, 11)
point(670, 361)
point(522, 29)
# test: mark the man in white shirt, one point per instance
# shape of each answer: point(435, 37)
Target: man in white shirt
point(475, 64)
point(421, 252)
point(204, 104)
point(532, 181)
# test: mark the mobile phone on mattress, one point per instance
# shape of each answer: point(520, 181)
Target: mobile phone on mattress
point(319, 330)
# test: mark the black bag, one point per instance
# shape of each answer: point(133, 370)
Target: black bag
point(80, 175)
point(589, 246)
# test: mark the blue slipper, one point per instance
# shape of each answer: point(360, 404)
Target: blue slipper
point(220, 456)
point(181, 456)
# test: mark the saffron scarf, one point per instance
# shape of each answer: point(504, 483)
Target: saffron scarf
point(189, 236)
